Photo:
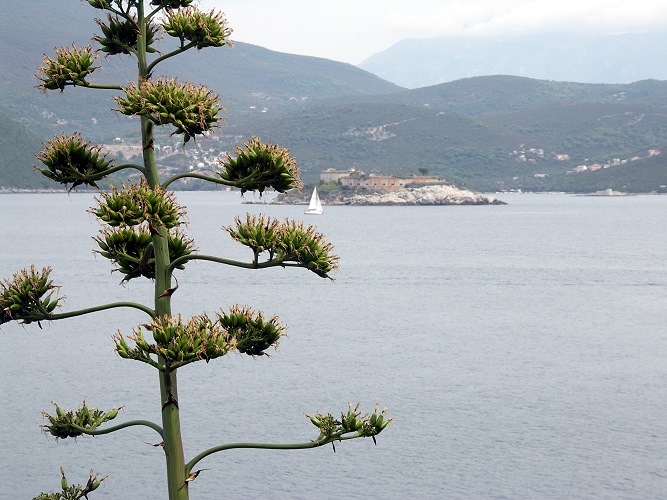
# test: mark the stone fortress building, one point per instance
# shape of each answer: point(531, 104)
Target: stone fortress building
point(357, 179)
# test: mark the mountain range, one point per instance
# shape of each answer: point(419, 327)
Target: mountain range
point(584, 58)
point(485, 133)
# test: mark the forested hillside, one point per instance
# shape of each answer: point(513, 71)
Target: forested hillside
point(18, 147)
point(485, 133)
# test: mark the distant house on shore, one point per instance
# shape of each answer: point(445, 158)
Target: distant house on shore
point(358, 179)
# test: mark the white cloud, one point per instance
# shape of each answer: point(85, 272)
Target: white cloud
point(351, 30)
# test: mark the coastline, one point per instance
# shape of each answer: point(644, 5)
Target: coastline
point(427, 195)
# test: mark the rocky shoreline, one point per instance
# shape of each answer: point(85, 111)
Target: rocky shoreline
point(427, 195)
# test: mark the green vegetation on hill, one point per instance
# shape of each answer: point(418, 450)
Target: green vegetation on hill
point(334, 115)
point(19, 147)
point(485, 151)
point(251, 80)
point(640, 176)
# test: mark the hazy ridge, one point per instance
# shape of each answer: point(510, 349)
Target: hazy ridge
point(583, 58)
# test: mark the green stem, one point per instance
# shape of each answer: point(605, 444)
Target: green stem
point(211, 258)
point(229, 262)
point(156, 10)
point(265, 446)
point(149, 361)
point(194, 175)
point(145, 423)
point(101, 86)
point(125, 166)
point(171, 425)
point(119, 12)
point(103, 307)
point(173, 444)
point(179, 364)
point(173, 53)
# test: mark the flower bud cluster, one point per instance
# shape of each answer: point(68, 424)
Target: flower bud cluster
point(135, 204)
point(201, 337)
point(75, 491)
point(132, 249)
point(28, 296)
point(121, 36)
point(200, 28)
point(259, 165)
point(192, 109)
point(133, 215)
point(252, 333)
point(63, 424)
point(70, 67)
point(71, 160)
point(100, 4)
point(351, 422)
point(287, 241)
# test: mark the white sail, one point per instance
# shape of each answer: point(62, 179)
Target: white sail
point(315, 206)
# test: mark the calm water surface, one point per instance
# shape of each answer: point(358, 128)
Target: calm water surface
point(522, 350)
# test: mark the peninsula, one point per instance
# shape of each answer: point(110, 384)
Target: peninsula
point(426, 195)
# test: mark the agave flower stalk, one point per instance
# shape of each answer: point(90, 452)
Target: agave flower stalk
point(143, 234)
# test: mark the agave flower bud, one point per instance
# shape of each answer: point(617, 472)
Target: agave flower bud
point(351, 421)
point(94, 482)
point(376, 423)
point(121, 35)
point(29, 296)
point(202, 29)
point(74, 491)
point(203, 338)
point(177, 340)
point(307, 247)
point(70, 67)
point(289, 242)
point(172, 4)
point(62, 424)
point(257, 232)
point(131, 250)
point(259, 165)
point(327, 424)
point(135, 204)
point(190, 108)
point(99, 4)
point(70, 159)
point(251, 331)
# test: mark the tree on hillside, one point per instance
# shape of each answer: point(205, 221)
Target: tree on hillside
point(143, 232)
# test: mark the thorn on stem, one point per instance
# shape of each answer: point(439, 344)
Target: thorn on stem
point(161, 443)
point(170, 400)
point(169, 291)
point(191, 477)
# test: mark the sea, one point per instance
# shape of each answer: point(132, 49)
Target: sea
point(521, 351)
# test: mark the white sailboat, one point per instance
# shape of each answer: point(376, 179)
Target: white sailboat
point(314, 207)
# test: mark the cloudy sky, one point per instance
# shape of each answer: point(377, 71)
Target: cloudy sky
point(352, 30)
